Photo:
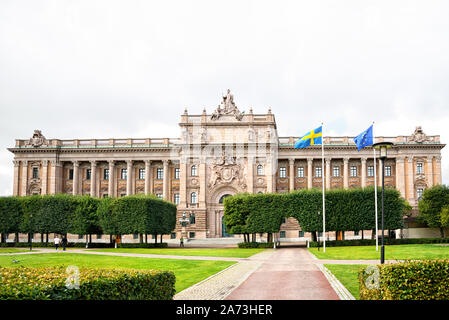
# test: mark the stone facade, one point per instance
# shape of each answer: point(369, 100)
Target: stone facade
point(217, 155)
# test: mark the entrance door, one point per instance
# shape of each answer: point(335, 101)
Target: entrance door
point(223, 229)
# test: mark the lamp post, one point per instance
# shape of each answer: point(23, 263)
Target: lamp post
point(382, 146)
point(184, 221)
point(31, 232)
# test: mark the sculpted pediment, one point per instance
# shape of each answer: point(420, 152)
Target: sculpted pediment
point(227, 108)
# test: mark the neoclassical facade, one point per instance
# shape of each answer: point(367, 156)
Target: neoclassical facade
point(217, 155)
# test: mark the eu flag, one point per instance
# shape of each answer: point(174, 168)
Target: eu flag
point(365, 138)
point(310, 138)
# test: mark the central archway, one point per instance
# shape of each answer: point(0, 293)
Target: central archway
point(215, 212)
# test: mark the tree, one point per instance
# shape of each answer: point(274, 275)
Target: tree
point(431, 206)
point(10, 215)
point(445, 217)
point(85, 219)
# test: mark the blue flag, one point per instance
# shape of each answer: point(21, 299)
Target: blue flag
point(310, 138)
point(365, 138)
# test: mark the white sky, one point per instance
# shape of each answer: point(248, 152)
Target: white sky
point(101, 69)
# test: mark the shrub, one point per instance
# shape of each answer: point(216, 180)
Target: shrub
point(255, 245)
point(94, 284)
point(418, 280)
point(370, 242)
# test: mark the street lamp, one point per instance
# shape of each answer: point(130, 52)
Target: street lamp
point(184, 221)
point(382, 147)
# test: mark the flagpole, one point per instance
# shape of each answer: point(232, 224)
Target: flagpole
point(323, 183)
point(375, 191)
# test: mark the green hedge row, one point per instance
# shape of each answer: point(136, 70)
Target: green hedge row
point(94, 284)
point(346, 210)
point(417, 280)
point(83, 245)
point(369, 242)
point(255, 245)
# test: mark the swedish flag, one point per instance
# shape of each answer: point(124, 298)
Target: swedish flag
point(310, 138)
point(365, 138)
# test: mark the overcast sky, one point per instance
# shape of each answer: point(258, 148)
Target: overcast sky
point(102, 69)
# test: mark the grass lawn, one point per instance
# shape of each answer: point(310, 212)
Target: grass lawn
point(227, 252)
point(12, 250)
point(392, 252)
point(187, 272)
point(347, 274)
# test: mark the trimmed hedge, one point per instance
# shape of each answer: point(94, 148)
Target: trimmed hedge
point(417, 280)
point(371, 242)
point(94, 284)
point(92, 245)
point(255, 245)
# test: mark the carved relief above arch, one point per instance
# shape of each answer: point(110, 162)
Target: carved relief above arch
point(215, 195)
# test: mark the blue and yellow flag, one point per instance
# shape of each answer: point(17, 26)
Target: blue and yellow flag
point(365, 138)
point(310, 138)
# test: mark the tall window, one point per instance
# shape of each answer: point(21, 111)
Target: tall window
point(124, 174)
point(88, 174)
point(70, 174)
point(193, 198)
point(35, 173)
point(260, 170)
point(336, 171)
point(300, 172)
point(192, 218)
point(177, 172)
point(419, 193)
point(159, 173)
point(388, 171)
point(193, 171)
point(282, 172)
point(318, 172)
point(106, 174)
point(370, 171)
point(141, 174)
point(176, 198)
point(419, 168)
point(353, 171)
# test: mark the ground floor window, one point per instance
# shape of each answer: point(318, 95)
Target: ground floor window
point(191, 234)
point(301, 234)
point(282, 234)
point(173, 235)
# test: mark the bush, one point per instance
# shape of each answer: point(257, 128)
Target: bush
point(255, 245)
point(371, 242)
point(92, 245)
point(94, 284)
point(418, 280)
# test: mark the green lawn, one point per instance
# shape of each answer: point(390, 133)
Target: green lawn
point(347, 274)
point(231, 252)
point(187, 272)
point(392, 252)
point(13, 250)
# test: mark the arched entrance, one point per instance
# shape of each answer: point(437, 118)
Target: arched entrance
point(223, 226)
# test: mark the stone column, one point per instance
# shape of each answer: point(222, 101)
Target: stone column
point(429, 173)
point(345, 173)
point(165, 191)
point(309, 173)
point(111, 180)
point(250, 174)
point(291, 172)
point(328, 173)
point(129, 177)
point(410, 181)
point(24, 178)
point(400, 175)
point(93, 178)
point(363, 172)
point(437, 173)
point(44, 177)
point(270, 174)
point(15, 188)
point(183, 183)
point(202, 176)
point(76, 174)
point(147, 176)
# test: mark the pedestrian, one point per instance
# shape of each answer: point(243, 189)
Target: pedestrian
point(57, 240)
point(64, 242)
point(181, 242)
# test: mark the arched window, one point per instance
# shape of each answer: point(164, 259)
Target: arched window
point(193, 197)
point(193, 171)
point(223, 197)
point(259, 170)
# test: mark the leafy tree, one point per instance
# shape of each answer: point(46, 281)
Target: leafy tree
point(431, 207)
point(85, 219)
point(10, 215)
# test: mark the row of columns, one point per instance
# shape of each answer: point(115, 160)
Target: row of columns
point(129, 178)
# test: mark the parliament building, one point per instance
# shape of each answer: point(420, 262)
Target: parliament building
point(217, 155)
